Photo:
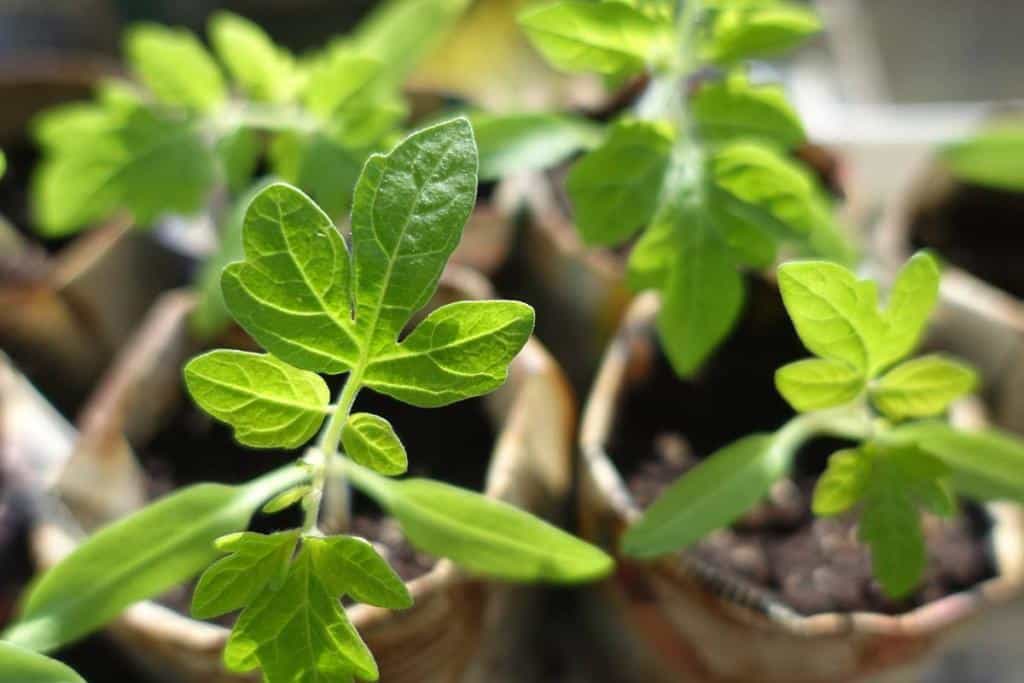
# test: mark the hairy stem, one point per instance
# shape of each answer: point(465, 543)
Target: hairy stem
point(327, 446)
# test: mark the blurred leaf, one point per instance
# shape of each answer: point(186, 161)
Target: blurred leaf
point(510, 143)
point(710, 496)
point(922, 387)
point(265, 71)
point(175, 66)
point(759, 30)
point(911, 302)
point(615, 187)
point(736, 109)
point(239, 152)
point(606, 38)
point(816, 383)
point(991, 158)
point(19, 665)
point(843, 482)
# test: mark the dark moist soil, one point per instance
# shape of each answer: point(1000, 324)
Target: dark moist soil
point(452, 444)
point(979, 230)
point(812, 565)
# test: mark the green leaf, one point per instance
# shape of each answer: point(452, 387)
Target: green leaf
point(759, 30)
point(911, 301)
point(338, 79)
point(292, 291)
point(701, 299)
point(371, 441)
point(268, 403)
point(511, 143)
point(286, 499)
point(350, 566)
point(3, 164)
point(614, 188)
point(815, 383)
point(607, 38)
point(842, 483)
point(239, 152)
point(233, 582)
point(19, 665)
point(835, 314)
point(990, 158)
point(708, 497)
point(481, 534)
point(756, 183)
point(320, 165)
point(300, 631)
point(922, 387)
point(986, 464)
point(175, 66)
point(138, 557)
point(735, 109)
point(459, 351)
point(901, 479)
point(654, 255)
point(890, 524)
point(407, 217)
point(264, 70)
point(133, 159)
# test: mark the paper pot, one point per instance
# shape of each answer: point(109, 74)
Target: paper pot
point(460, 629)
point(680, 620)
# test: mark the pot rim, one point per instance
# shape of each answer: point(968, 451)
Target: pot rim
point(753, 605)
point(52, 537)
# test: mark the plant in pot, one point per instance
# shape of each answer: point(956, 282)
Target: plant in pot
point(840, 546)
point(965, 205)
point(316, 308)
point(697, 176)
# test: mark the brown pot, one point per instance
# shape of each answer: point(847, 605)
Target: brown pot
point(685, 622)
point(459, 624)
point(975, 319)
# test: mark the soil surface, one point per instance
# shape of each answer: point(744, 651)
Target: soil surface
point(813, 565)
point(977, 229)
point(452, 444)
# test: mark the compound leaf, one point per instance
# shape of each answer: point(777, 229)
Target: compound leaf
point(922, 387)
point(615, 187)
point(266, 401)
point(607, 38)
point(233, 582)
point(299, 632)
point(371, 441)
point(816, 383)
point(175, 66)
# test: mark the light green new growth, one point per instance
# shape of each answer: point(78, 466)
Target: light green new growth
point(319, 306)
point(859, 387)
point(707, 175)
point(991, 157)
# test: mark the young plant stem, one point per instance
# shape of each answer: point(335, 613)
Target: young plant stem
point(850, 422)
point(327, 447)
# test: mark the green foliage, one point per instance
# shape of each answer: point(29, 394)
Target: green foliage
point(371, 441)
point(735, 109)
point(895, 471)
point(509, 143)
point(714, 494)
point(705, 175)
point(168, 146)
point(25, 666)
point(990, 158)
point(744, 30)
point(607, 38)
